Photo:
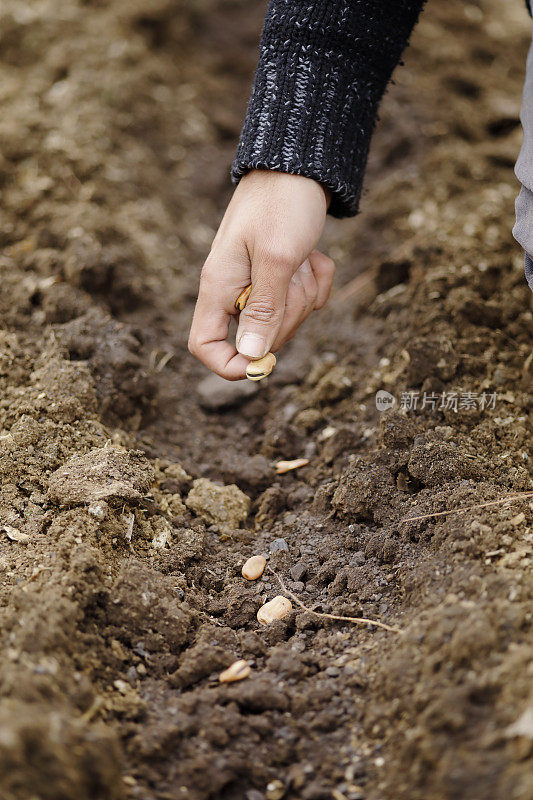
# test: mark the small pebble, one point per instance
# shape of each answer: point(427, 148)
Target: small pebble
point(286, 466)
point(218, 393)
point(277, 545)
point(254, 568)
point(98, 510)
point(131, 675)
point(236, 672)
point(275, 609)
point(333, 672)
point(299, 571)
point(253, 794)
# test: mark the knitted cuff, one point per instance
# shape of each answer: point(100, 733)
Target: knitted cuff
point(323, 69)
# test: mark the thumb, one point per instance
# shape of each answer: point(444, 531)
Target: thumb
point(261, 319)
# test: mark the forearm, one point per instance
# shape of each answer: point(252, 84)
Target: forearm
point(323, 69)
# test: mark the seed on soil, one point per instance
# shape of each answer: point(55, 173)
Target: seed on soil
point(286, 466)
point(254, 568)
point(15, 535)
point(242, 299)
point(236, 672)
point(275, 609)
point(257, 370)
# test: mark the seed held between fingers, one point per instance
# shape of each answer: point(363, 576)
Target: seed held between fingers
point(257, 370)
point(242, 299)
point(275, 609)
point(236, 672)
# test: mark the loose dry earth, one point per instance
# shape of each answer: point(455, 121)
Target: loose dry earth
point(121, 553)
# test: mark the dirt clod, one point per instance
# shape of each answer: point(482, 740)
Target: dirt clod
point(226, 506)
point(106, 474)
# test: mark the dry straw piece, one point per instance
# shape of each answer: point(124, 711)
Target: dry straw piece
point(337, 617)
point(275, 609)
point(253, 568)
point(236, 672)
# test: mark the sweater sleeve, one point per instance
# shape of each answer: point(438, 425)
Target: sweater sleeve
point(323, 68)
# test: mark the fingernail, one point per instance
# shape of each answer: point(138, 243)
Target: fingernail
point(306, 266)
point(252, 345)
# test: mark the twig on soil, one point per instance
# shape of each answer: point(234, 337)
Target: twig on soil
point(500, 501)
point(354, 620)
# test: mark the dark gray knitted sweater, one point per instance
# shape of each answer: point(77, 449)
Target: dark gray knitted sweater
point(324, 66)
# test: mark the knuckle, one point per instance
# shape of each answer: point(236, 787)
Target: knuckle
point(279, 258)
point(261, 309)
point(207, 271)
point(193, 346)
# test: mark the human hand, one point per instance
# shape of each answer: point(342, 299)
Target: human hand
point(267, 238)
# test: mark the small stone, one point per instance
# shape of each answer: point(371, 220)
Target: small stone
point(308, 419)
point(225, 506)
point(98, 510)
point(523, 725)
point(15, 535)
point(236, 672)
point(253, 794)
point(217, 393)
point(131, 675)
point(254, 567)
point(275, 790)
point(327, 433)
point(277, 545)
point(299, 571)
point(518, 520)
point(333, 386)
point(333, 672)
point(275, 609)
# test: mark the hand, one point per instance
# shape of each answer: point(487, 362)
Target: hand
point(267, 238)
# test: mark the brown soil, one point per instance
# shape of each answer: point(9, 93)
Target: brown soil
point(122, 603)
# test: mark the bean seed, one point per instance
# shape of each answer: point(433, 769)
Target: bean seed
point(256, 370)
point(236, 672)
point(275, 609)
point(285, 466)
point(254, 568)
point(242, 299)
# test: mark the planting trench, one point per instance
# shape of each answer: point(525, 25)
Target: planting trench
point(121, 593)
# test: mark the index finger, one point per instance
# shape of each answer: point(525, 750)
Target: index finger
point(209, 331)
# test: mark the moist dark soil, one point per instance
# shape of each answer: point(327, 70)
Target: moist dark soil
point(131, 493)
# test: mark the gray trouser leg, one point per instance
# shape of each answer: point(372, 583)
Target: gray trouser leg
point(523, 228)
